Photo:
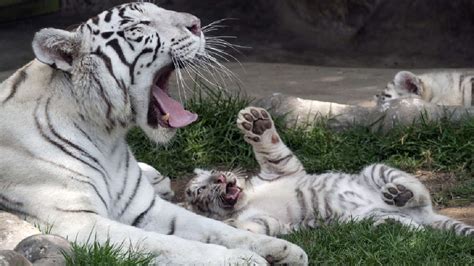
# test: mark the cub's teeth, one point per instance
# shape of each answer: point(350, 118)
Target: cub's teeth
point(166, 117)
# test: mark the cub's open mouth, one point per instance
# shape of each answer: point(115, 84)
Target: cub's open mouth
point(232, 194)
point(164, 110)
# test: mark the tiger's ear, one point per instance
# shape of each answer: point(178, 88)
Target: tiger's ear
point(56, 48)
point(199, 171)
point(408, 82)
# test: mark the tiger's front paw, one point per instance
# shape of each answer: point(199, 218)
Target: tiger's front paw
point(160, 183)
point(257, 125)
point(278, 251)
point(208, 254)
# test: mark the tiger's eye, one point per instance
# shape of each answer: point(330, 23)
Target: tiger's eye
point(201, 189)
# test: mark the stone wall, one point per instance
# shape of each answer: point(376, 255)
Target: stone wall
point(393, 33)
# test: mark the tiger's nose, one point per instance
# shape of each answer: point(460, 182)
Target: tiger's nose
point(221, 179)
point(188, 21)
point(195, 27)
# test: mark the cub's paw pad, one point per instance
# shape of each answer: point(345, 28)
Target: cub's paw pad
point(397, 195)
point(254, 122)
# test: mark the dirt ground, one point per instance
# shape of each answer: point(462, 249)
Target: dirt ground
point(439, 182)
point(332, 84)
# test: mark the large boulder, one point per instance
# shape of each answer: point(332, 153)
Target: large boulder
point(13, 230)
point(12, 258)
point(44, 249)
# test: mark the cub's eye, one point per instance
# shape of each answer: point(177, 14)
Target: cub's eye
point(201, 189)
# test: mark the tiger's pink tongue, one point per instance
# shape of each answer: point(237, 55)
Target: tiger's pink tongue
point(178, 116)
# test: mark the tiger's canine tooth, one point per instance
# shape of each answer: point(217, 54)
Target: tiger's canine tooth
point(166, 117)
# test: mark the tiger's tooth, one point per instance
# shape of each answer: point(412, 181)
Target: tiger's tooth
point(166, 117)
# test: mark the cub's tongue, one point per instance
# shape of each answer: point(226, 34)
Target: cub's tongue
point(232, 193)
point(178, 116)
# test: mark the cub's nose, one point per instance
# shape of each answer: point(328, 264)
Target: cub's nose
point(221, 179)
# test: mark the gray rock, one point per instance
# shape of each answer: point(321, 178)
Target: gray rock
point(13, 230)
point(44, 249)
point(302, 112)
point(12, 258)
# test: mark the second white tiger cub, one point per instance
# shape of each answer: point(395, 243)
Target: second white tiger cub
point(283, 197)
point(444, 88)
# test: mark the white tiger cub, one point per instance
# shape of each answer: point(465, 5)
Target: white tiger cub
point(64, 160)
point(444, 88)
point(282, 197)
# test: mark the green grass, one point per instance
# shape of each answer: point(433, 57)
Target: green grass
point(106, 254)
point(215, 141)
point(387, 244)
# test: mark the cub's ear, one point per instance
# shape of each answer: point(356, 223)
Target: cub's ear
point(408, 82)
point(56, 47)
point(199, 171)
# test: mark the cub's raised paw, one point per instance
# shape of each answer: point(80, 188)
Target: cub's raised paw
point(396, 194)
point(255, 123)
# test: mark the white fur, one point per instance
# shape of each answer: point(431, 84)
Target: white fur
point(443, 88)
point(283, 198)
point(64, 160)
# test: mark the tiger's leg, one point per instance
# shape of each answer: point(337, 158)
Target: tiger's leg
point(396, 187)
point(167, 218)
point(87, 228)
point(177, 236)
point(274, 157)
point(380, 216)
point(445, 223)
point(260, 224)
point(160, 183)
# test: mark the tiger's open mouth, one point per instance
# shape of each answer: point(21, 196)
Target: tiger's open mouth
point(164, 110)
point(232, 194)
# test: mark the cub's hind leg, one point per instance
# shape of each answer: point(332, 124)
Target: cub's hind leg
point(274, 157)
point(381, 216)
point(396, 187)
point(442, 222)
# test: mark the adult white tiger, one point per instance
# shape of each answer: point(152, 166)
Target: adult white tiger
point(443, 88)
point(282, 197)
point(64, 159)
